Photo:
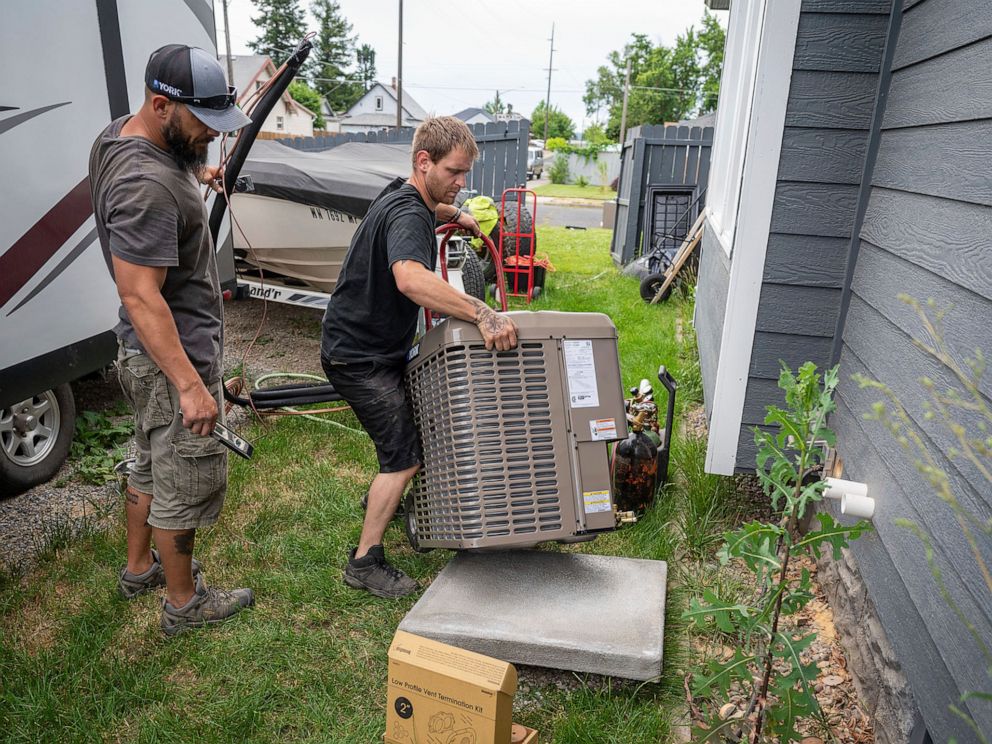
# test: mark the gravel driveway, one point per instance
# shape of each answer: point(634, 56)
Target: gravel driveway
point(288, 341)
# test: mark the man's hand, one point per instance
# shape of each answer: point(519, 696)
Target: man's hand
point(467, 221)
point(199, 409)
point(498, 330)
point(210, 175)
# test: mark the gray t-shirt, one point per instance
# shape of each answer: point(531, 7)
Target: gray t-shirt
point(151, 213)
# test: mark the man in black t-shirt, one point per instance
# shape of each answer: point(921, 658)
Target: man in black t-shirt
point(387, 276)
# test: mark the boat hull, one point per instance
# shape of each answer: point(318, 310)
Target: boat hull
point(296, 240)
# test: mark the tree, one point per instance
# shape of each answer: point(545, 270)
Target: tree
point(281, 23)
point(303, 94)
point(365, 56)
point(667, 83)
point(332, 56)
point(559, 124)
point(596, 135)
point(495, 106)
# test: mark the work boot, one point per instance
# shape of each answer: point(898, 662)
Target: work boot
point(372, 573)
point(207, 606)
point(134, 585)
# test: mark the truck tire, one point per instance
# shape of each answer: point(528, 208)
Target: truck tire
point(510, 226)
point(473, 276)
point(35, 437)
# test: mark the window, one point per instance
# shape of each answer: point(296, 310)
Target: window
point(733, 120)
point(280, 123)
point(378, 103)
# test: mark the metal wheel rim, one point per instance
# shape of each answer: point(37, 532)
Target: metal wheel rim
point(34, 446)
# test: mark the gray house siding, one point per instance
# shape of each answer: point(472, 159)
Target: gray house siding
point(711, 303)
point(839, 48)
point(926, 232)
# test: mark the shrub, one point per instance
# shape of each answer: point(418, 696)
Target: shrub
point(559, 169)
point(582, 181)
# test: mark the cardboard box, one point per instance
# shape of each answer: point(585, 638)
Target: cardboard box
point(439, 694)
point(529, 735)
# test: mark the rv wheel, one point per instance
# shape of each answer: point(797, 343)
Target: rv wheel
point(35, 435)
point(410, 522)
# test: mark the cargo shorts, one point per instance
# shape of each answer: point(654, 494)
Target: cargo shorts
point(185, 474)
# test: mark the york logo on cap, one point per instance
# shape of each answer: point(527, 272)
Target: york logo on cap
point(171, 90)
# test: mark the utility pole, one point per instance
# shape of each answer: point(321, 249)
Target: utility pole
point(623, 115)
point(227, 39)
point(399, 76)
point(547, 100)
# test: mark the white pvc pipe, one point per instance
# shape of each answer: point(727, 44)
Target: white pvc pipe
point(857, 505)
point(837, 487)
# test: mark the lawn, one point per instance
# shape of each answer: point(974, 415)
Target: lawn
point(308, 663)
point(573, 191)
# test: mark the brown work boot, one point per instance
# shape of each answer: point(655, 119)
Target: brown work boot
point(372, 573)
point(134, 585)
point(207, 606)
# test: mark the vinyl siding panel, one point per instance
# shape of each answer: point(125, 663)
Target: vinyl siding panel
point(839, 48)
point(711, 304)
point(925, 234)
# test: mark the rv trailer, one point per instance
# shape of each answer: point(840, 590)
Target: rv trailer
point(79, 64)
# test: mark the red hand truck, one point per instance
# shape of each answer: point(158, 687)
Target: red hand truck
point(518, 265)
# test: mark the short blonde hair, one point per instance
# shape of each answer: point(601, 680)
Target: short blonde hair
point(439, 135)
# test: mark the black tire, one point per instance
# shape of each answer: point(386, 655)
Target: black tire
point(473, 276)
point(410, 525)
point(19, 469)
point(510, 226)
point(650, 286)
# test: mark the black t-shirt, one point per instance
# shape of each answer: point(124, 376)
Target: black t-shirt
point(368, 318)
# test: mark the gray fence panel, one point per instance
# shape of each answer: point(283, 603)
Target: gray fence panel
point(656, 156)
point(502, 161)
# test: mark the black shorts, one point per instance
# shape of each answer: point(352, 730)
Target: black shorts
point(376, 394)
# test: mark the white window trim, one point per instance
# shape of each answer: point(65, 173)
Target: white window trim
point(776, 44)
point(378, 102)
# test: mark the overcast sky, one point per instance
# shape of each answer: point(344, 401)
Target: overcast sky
point(456, 55)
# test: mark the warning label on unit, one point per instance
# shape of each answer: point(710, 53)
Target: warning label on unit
point(596, 501)
point(603, 429)
point(581, 370)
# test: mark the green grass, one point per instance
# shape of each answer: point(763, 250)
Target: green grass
point(308, 663)
point(572, 191)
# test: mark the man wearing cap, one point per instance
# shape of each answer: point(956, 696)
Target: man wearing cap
point(145, 175)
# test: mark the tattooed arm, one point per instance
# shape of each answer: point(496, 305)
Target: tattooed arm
point(429, 290)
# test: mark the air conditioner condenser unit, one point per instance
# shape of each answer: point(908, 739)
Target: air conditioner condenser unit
point(515, 442)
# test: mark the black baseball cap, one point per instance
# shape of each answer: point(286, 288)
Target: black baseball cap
point(193, 76)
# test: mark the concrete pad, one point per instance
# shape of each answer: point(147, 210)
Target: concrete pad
point(586, 613)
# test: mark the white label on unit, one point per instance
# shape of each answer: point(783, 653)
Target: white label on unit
point(581, 370)
point(596, 501)
point(603, 429)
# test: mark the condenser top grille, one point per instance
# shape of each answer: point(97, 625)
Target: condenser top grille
point(491, 460)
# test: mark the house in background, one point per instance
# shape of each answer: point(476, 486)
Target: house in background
point(474, 115)
point(287, 117)
point(852, 162)
point(377, 110)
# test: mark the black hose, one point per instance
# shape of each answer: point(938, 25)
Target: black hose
point(288, 395)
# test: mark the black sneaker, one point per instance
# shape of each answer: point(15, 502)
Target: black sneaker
point(400, 512)
point(372, 573)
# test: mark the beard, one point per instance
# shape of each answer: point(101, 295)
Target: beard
point(437, 188)
point(189, 156)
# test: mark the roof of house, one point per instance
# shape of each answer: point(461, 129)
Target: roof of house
point(248, 67)
point(466, 114)
point(372, 120)
point(413, 109)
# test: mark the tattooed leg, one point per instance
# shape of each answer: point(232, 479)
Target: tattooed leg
point(139, 534)
point(175, 548)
